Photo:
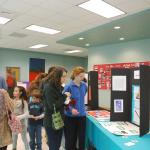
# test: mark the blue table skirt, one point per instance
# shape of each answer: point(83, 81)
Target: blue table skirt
point(104, 140)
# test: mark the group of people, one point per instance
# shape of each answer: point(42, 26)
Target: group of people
point(45, 95)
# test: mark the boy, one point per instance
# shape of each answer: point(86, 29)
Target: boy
point(36, 115)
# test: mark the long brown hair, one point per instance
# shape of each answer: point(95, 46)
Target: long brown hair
point(50, 70)
point(56, 75)
point(38, 78)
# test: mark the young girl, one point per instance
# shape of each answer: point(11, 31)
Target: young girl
point(21, 111)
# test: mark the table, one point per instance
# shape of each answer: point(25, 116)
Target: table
point(104, 140)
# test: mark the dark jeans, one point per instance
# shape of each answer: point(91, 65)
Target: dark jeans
point(75, 129)
point(35, 133)
point(3, 148)
point(54, 138)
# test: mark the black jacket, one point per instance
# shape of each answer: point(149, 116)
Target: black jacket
point(52, 96)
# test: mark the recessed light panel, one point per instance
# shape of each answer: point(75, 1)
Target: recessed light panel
point(42, 29)
point(101, 8)
point(4, 20)
point(73, 51)
point(38, 46)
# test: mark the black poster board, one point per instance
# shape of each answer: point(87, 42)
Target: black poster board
point(93, 90)
point(144, 99)
point(137, 77)
point(121, 97)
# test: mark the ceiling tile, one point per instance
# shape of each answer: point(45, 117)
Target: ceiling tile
point(34, 2)
point(55, 5)
point(1, 1)
point(76, 12)
point(75, 2)
point(147, 1)
point(41, 13)
point(8, 13)
point(129, 6)
point(16, 5)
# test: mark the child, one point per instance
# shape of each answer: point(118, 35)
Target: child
point(21, 111)
point(36, 115)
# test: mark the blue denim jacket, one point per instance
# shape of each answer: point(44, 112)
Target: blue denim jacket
point(78, 94)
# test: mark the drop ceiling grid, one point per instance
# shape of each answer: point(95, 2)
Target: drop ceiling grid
point(63, 15)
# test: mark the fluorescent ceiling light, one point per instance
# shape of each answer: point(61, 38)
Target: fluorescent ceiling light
point(87, 44)
point(117, 27)
point(73, 51)
point(42, 29)
point(81, 38)
point(4, 20)
point(121, 39)
point(38, 46)
point(101, 8)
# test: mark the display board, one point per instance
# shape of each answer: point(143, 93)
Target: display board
point(93, 90)
point(131, 102)
point(144, 99)
point(121, 95)
point(104, 72)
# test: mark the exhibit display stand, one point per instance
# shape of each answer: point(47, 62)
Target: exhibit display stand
point(130, 97)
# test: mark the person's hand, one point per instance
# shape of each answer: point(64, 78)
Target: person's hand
point(67, 101)
point(31, 116)
point(75, 112)
point(18, 117)
point(68, 94)
point(36, 117)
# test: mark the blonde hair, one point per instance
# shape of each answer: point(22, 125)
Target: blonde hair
point(76, 71)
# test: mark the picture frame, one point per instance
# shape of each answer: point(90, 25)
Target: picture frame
point(15, 72)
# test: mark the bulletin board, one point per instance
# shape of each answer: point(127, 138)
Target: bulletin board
point(104, 72)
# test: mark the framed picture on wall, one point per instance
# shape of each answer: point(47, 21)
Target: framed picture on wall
point(15, 71)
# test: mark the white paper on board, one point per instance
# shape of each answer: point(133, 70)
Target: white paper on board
point(119, 83)
point(136, 74)
point(120, 128)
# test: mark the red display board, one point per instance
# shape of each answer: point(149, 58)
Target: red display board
point(104, 72)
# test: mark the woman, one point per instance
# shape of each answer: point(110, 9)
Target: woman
point(75, 115)
point(5, 132)
point(52, 95)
